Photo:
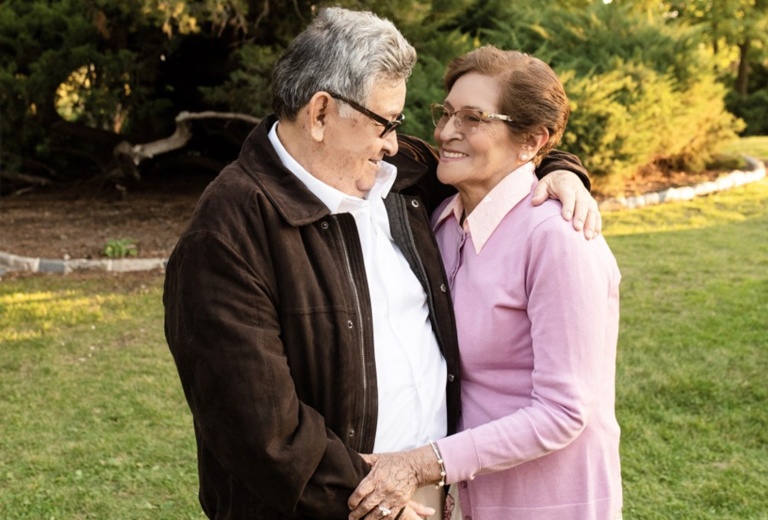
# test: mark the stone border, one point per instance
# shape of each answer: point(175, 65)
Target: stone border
point(10, 262)
point(724, 182)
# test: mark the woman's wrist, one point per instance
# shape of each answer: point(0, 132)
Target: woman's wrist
point(429, 466)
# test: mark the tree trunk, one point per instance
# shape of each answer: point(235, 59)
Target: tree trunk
point(742, 78)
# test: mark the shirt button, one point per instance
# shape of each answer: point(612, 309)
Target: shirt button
point(350, 324)
point(463, 485)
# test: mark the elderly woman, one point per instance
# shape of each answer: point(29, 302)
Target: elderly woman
point(537, 310)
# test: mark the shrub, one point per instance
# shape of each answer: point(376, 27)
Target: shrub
point(120, 248)
point(642, 89)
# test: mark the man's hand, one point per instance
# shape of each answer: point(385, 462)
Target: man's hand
point(578, 204)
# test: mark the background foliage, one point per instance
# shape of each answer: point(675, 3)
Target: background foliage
point(660, 84)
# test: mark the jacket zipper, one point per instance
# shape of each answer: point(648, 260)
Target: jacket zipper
point(361, 335)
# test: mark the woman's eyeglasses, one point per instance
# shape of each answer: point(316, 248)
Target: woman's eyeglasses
point(466, 118)
point(389, 126)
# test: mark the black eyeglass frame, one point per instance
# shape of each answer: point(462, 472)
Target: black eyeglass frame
point(485, 117)
point(389, 126)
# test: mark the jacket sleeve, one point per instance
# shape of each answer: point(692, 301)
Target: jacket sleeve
point(559, 160)
point(223, 330)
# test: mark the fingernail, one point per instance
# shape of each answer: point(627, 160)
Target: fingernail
point(589, 234)
point(568, 214)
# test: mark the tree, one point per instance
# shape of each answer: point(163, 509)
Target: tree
point(739, 24)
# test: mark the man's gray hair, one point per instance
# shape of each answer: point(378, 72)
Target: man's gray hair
point(341, 51)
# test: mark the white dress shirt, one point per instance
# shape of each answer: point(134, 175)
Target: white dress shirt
point(410, 368)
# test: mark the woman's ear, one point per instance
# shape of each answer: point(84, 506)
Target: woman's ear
point(538, 139)
point(533, 143)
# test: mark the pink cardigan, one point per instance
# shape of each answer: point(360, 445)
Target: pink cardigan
point(537, 311)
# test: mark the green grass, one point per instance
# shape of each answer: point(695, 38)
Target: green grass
point(754, 146)
point(693, 352)
point(94, 424)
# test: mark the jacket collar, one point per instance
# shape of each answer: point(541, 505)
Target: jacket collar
point(259, 160)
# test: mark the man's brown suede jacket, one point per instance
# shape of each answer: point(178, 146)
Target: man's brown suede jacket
point(268, 318)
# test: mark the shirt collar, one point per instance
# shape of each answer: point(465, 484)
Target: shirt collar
point(487, 216)
point(336, 201)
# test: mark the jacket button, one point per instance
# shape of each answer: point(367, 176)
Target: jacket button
point(442, 287)
point(351, 432)
point(415, 203)
point(324, 225)
point(350, 324)
point(451, 377)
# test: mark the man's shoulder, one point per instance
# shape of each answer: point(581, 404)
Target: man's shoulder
point(416, 163)
point(414, 159)
point(413, 149)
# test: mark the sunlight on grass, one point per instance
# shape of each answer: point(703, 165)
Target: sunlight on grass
point(737, 205)
point(693, 348)
point(94, 421)
point(754, 146)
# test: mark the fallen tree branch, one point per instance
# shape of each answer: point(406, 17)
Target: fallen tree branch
point(178, 139)
point(25, 178)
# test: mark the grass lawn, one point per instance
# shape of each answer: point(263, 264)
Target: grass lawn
point(94, 424)
point(692, 399)
point(754, 146)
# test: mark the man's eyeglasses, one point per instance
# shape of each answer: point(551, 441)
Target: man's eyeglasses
point(389, 126)
point(466, 118)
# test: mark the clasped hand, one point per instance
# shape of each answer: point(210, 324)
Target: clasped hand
point(387, 490)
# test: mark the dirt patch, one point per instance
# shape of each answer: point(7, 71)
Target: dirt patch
point(80, 222)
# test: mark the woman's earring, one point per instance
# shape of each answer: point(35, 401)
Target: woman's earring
point(523, 157)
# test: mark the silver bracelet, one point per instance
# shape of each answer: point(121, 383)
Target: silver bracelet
point(442, 465)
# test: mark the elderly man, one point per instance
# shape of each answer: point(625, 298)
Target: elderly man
point(306, 305)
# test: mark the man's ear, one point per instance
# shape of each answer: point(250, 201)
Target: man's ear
point(319, 108)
